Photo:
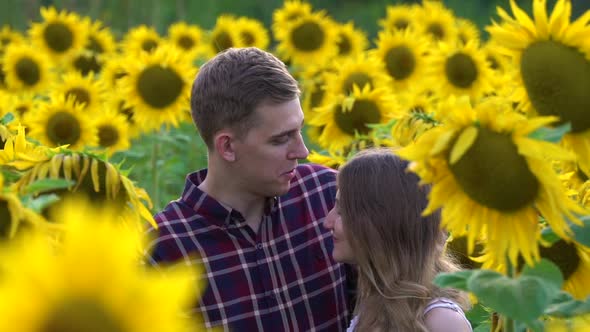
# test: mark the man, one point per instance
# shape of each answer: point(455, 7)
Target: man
point(254, 218)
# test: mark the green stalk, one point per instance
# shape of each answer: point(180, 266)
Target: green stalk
point(155, 173)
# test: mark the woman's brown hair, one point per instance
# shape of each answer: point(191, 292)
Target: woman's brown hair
point(397, 250)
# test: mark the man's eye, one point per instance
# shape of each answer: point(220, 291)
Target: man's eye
point(280, 140)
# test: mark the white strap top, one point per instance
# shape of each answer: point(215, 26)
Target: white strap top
point(439, 302)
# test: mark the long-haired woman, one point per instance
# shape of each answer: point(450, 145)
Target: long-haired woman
point(377, 225)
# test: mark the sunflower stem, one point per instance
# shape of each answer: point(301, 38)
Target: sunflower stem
point(509, 323)
point(154, 162)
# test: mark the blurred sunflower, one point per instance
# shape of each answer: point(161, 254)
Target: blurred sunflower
point(482, 198)
point(118, 104)
point(113, 71)
point(186, 37)
point(357, 71)
point(573, 324)
point(343, 118)
point(22, 106)
point(141, 39)
point(402, 54)
point(100, 45)
point(21, 154)
point(573, 261)
point(61, 34)
point(331, 159)
point(252, 33)
point(312, 38)
point(62, 121)
point(290, 12)
point(553, 67)
point(351, 41)
point(223, 36)
point(313, 79)
point(100, 181)
point(157, 87)
point(467, 31)
point(11, 213)
point(92, 278)
point(87, 91)
point(9, 36)
point(437, 22)
point(458, 70)
point(416, 116)
point(26, 69)
point(400, 17)
point(113, 131)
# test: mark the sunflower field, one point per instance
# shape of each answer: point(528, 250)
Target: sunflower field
point(96, 136)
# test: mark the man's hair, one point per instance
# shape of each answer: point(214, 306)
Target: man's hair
point(398, 251)
point(229, 87)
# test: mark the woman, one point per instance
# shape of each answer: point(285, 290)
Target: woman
point(377, 225)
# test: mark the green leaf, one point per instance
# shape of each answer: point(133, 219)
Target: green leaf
point(7, 118)
point(582, 233)
point(549, 236)
point(565, 306)
point(546, 270)
point(38, 204)
point(478, 315)
point(40, 186)
point(551, 134)
point(485, 327)
point(456, 280)
point(523, 299)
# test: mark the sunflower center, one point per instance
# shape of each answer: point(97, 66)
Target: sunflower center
point(2, 76)
point(81, 314)
point(461, 70)
point(317, 96)
point(58, 37)
point(436, 30)
point(401, 24)
point(557, 81)
point(4, 41)
point(86, 64)
point(28, 71)
point(564, 255)
point(222, 41)
point(158, 86)
point(344, 46)
point(127, 111)
point(308, 37)
point(22, 110)
point(494, 64)
point(186, 42)
point(400, 62)
point(5, 220)
point(494, 174)
point(359, 79)
point(79, 95)
point(363, 112)
point(107, 136)
point(247, 38)
point(63, 128)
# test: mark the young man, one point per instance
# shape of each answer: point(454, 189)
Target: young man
point(254, 217)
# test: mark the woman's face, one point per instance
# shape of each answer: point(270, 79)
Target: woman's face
point(342, 251)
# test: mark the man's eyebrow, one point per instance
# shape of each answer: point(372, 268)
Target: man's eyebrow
point(287, 132)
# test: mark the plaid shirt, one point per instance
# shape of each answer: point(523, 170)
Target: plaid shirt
point(279, 279)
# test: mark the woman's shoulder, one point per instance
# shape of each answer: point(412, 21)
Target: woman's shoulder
point(443, 314)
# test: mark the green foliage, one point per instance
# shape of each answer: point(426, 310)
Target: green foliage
point(551, 134)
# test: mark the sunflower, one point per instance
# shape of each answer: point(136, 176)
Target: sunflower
point(357, 71)
point(96, 179)
point(113, 71)
point(86, 91)
point(553, 67)
point(9, 36)
point(290, 12)
point(402, 54)
point(223, 36)
point(416, 116)
point(61, 34)
point(252, 33)
point(458, 70)
point(331, 159)
point(21, 154)
point(100, 45)
point(22, 107)
point(92, 277)
point(11, 214)
point(437, 22)
point(141, 39)
point(157, 87)
point(351, 41)
point(186, 37)
point(467, 31)
point(118, 104)
point(482, 198)
point(345, 117)
point(62, 121)
point(113, 131)
point(573, 324)
point(400, 17)
point(26, 69)
point(311, 38)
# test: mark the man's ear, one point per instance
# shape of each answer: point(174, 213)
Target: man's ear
point(224, 144)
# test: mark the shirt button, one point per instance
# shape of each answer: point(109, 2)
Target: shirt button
point(259, 245)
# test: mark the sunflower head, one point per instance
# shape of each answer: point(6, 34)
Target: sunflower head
point(351, 41)
point(9, 36)
point(100, 45)
point(252, 33)
point(61, 34)
point(141, 39)
point(224, 35)
point(87, 91)
point(188, 38)
point(26, 69)
point(400, 17)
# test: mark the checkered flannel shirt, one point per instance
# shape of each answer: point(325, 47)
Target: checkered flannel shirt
point(279, 279)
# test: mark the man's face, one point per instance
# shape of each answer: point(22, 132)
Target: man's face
point(267, 155)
